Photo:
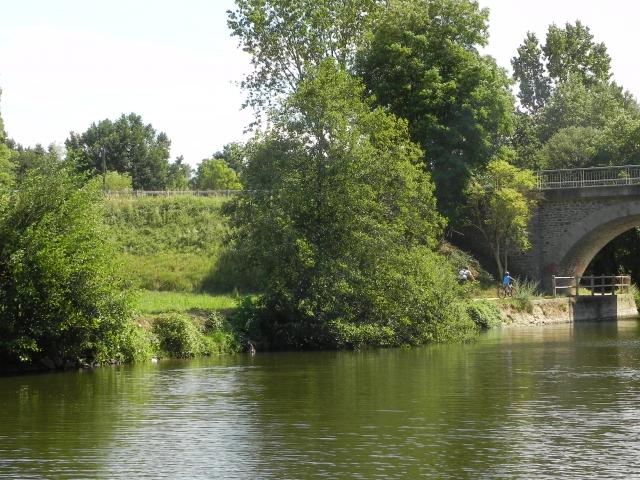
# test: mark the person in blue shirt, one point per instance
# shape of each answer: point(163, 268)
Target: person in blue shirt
point(507, 281)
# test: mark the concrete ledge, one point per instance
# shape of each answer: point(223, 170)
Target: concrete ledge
point(571, 309)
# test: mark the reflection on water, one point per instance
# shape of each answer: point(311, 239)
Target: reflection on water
point(558, 401)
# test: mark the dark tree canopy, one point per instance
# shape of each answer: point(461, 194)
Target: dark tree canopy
point(423, 64)
point(128, 145)
point(234, 156)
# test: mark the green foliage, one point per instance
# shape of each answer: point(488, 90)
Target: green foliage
point(7, 167)
point(288, 38)
point(59, 296)
point(575, 105)
point(179, 175)
point(215, 174)
point(571, 51)
point(485, 314)
point(423, 64)
point(175, 243)
point(342, 223)
point(529, 71)
point(571, 147)
point(525, 291)
point(570, 109)
point(568, 53)
point(3, 134)
point(115, 182)
point(140, 344)
point(26, 159)
point(179, 337)
point(125, 145)
point(233, 155)
point(500, 204)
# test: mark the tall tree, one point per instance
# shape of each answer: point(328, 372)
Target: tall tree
point(529, 71)
point(423, 64)
point(126, 145)
point(6, 166)
point(341, 222)
point(286, 38)
point(568, 53)
point(572, 51)
point(179, 175)
point(234, 156)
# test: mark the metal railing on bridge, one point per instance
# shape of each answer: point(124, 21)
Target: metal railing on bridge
point(175, 193)
point(591, 285)
point(588, 177)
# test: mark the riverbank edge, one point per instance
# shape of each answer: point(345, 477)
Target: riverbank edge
point(549, 311)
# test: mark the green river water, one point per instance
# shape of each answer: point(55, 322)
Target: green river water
point(546, 402)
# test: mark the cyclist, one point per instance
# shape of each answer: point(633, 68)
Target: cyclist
point(507, 282)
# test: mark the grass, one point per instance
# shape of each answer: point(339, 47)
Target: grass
point(175, 244)
point(150, 302)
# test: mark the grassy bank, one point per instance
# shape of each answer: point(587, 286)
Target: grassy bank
point(174, 244)
point(172, 250)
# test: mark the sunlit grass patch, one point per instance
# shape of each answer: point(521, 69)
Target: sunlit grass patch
point(163, 302)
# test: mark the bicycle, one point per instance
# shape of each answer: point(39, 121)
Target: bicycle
point(505, 291)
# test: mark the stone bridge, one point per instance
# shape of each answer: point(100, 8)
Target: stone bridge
point(579, 213)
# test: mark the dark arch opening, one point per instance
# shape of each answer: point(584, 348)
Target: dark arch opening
point(620, 256)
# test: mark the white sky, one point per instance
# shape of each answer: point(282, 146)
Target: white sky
point(67, 63)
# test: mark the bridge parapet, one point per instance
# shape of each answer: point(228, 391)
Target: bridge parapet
point(588, 177)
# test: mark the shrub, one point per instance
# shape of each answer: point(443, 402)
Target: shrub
point(179, 337)
point(525, 291)
point(215, 322)
point(349, 335)
point(139, 344)
point(485, 314)
point(60, 299)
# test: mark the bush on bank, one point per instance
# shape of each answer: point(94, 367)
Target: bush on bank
point(343, 223)
point(60, 300)
point(179, 336)
point(485, 314)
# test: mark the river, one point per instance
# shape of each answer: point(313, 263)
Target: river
point(544, 402)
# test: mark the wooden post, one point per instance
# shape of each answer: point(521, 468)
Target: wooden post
point(593, 286)
point(553, 284)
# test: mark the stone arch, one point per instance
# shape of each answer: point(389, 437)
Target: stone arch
point(592, 233)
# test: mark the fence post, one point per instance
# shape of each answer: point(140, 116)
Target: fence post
point(593, 286)
point(577, 282)
point(553, 284)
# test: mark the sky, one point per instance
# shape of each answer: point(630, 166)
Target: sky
point(67, 63)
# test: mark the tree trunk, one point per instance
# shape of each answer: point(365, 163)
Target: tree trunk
point(498, 260)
